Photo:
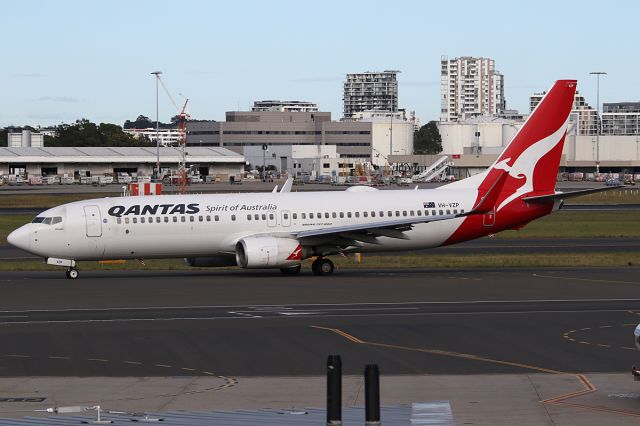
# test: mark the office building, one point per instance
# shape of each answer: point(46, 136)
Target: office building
point(373, 139)
point(284, 106)
point(470, 87)
point(370, 91)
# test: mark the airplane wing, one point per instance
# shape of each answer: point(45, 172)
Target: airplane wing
point(354, 234)
point(547, 199)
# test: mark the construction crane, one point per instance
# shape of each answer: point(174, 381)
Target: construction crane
point(183, 117)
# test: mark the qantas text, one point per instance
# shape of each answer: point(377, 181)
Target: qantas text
point(137, 209)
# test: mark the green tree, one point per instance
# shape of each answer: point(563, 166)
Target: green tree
point(427, 140)
point(85, 133)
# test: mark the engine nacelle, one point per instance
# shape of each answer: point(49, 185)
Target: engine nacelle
point(210, 262)
point(268, 252)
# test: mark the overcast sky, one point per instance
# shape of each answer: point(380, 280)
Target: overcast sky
point(65, 60)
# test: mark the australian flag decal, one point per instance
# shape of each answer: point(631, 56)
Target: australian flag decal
point(429, 205)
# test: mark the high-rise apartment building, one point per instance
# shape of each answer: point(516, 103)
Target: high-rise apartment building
point(470, 87)
point(370, 91)
point(583, 118)
point(621, 118)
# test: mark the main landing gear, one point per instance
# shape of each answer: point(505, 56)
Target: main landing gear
point(72, 273)
point(322, 266)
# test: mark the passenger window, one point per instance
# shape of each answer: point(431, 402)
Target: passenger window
point(326, 215)
point(295, 215)
point(285, 215)
point(357, 214)
point(192, 219)
point(158, 220)
point(348, 214)
point(341, 215)
point(441, 212)
point(166, 219)
point(404, 212)
point(135, 220)
point(142, 220)
point(433, 212)
point(200, 219)
point(365, 214)
point(208, 218)
point(270, 216)
point(319, 216)
point(183, 219)
point(373, 214)
point(151, 220)
point(381, 214)
point(216, 218)
point(256, 216)
point(233, 217)
point(461, 211)
point(264, 217)
point(334, 215)
point(119, 221)
point(389, 213)
point(411, 213)
point(304, 215)
point(455, 211)
point(397, 212)
point(175, 218)
point(126, 220)
point(448, 211)
point(248, 217)
point(426, 212)
point(419, 212)
point(310, 215)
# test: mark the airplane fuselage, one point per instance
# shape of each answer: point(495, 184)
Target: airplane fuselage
point(204, 225)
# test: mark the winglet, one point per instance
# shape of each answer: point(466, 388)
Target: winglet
point(287, 185)
point(488, 201)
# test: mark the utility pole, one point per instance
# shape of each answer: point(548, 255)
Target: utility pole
point(157, 74)
point(598, 121)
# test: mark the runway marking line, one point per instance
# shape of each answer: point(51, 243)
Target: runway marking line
point(568, 336)
point(584, 279)
point(588, 387)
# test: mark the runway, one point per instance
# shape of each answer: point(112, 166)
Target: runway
point(483, 245)
point(239, 323)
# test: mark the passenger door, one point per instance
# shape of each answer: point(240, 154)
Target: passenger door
point(286, 218)
point(93, 221)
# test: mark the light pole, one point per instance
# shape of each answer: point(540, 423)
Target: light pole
point(598, 74)
point(157, 74)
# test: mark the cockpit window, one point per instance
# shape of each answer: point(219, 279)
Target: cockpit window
point(47, 220)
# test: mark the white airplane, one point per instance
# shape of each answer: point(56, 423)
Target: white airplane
point(280, 229)
point(636, 337)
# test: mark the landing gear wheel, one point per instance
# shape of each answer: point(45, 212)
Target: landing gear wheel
point(322, 266)
point(293, 270)
point(72, 273)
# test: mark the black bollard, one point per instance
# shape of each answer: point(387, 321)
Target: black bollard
point(334, 390)
point(372, 395)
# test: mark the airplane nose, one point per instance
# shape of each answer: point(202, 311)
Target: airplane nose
point(20, 238)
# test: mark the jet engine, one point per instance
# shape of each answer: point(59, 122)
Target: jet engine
point(206, 262)
point(268, 252)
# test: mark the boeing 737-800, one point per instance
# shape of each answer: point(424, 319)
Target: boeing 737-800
point(280, 229)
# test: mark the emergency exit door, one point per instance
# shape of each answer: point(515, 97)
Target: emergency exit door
point(489, 218)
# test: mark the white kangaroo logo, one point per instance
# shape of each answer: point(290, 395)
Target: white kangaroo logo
point(525, 164)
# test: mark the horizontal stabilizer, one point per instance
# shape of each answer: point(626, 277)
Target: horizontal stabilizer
point(550, 198)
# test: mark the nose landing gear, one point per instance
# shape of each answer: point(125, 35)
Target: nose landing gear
point(72, 273)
